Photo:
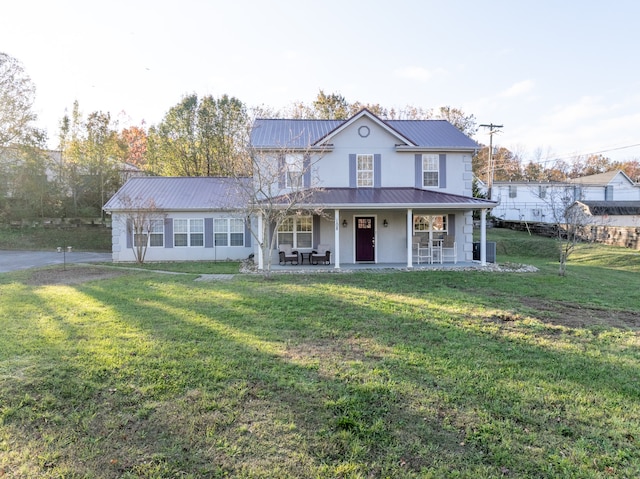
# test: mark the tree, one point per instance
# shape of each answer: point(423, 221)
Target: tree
point(91, 155)
point(17, 94)
point(141, 220)
point(463, 122)
point(569, 221)
point(199, 137)
point(134, 141)
point(281, 184)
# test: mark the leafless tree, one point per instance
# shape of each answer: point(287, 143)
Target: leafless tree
point(283, 183)
point(141, 219)
point(569, 220)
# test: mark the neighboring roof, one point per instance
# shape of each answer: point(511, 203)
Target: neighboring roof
point(180, 193)
point(390, 198)
point(600, 179)
point(612, 208)
point(300, 134)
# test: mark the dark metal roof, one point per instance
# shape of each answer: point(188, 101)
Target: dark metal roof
point(390, 198)
point(283, 133)
point(183, 193)
point(613, 208)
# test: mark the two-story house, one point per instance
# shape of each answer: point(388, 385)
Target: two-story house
point(545, 202)
point(373, 187)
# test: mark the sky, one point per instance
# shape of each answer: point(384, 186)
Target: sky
point(562, 77)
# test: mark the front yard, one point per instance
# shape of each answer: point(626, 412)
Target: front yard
point(387, 374)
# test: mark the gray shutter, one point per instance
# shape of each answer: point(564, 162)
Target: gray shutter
point(129, 233)
point(306, 171)
point(208, 232)
point(443, 171)
point(418, 162)
point(281, 172)
point(451, 225)
point(316, 231)
point(168, 233)
point(377, 170)
point(352, 171)
point(247, 233)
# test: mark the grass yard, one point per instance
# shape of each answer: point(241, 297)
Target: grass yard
point(383, 374)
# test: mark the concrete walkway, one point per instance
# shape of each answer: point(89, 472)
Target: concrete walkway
point(15, 260)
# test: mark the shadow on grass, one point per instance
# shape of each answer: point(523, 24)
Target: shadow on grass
point(302, 377)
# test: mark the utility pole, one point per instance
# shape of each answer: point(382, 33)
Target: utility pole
point(492, 129)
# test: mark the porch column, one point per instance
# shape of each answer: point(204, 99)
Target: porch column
point(336, 238)
point(260, 242)
point(483, 237)
point(409, 238)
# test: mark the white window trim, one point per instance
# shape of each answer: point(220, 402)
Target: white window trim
point(359, 170)
point(294, 232)
point(148, 233)
point(293, 166)
point(189, 232)
point(436, 161)
point(227, 232)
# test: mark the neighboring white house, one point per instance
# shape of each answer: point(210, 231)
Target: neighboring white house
point(377, 183)
point(535, 202)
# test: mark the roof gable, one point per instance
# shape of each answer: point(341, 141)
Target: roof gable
point(410, 134)
point(601, 179)
point(364, 113)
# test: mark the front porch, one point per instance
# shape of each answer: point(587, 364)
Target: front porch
point(350, 268)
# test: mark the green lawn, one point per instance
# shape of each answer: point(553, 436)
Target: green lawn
point(390, 374)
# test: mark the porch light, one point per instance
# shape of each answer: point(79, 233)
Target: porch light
point(344, 223)
point(385, 223)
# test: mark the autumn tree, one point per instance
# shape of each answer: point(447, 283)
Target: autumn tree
point(134, 143)
point(463, 122)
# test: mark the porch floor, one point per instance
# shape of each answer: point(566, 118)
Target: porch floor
point(350, 267)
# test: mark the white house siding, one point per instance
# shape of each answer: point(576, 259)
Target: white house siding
point(528, 206)
point(121, 252)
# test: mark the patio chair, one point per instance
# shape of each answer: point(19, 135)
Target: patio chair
point(321, 255)
point(449, 248)
point(287, 254)
point(421, 251)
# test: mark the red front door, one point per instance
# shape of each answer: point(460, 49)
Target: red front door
point(365, 238)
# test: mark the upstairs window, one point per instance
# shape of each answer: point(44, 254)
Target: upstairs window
point(513, 191)
point(364, 164)
point(293, 176)
point(542, 192)
point(430, 171)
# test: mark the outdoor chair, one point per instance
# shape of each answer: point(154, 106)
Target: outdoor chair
point(449, 248)
point(421, 251)
point(287, 254)
point(321, 255)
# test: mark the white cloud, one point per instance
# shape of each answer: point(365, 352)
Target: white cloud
point(518, 89)
point(417, 73)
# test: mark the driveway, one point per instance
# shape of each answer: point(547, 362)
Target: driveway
point(14, 260)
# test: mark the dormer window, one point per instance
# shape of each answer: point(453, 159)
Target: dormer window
point(430, 171)
point(365, 171)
